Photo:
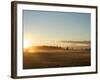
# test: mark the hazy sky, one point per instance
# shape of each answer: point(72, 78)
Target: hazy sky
point(58, 26)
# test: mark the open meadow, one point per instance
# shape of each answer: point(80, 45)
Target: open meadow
point(50, 59)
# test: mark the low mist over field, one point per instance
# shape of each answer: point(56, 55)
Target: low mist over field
point(57, 56)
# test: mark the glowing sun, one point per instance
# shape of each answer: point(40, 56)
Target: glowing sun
point(27, 43)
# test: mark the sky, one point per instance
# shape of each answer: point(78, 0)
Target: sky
point(56, 26)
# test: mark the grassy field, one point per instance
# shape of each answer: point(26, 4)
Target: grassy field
point(56, 59)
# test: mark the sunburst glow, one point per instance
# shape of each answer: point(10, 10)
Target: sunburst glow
point(27, 43)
